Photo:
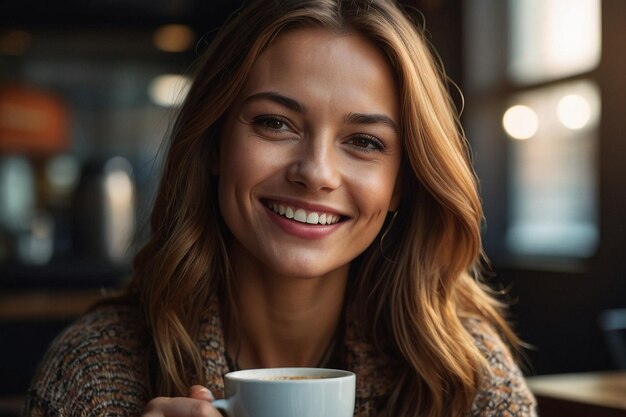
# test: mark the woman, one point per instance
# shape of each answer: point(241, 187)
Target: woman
point(317, 208)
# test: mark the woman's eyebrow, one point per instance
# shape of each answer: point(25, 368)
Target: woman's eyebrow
point(362, 118)
point(288, 102)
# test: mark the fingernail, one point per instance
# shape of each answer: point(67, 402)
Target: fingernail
point(208, 393)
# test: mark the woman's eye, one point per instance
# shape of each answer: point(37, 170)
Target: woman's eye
point(366, 143)
point(271, 122)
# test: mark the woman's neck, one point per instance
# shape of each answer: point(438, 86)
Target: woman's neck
point(284, 321)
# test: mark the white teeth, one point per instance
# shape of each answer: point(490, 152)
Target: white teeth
point(302, 215)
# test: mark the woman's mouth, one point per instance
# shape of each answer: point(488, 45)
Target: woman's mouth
point(303, 216)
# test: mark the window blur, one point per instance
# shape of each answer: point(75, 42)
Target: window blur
point(540, 120)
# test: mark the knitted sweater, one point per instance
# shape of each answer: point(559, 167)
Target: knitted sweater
point(97, 367)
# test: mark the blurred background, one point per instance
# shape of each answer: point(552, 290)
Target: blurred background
point(88, 90)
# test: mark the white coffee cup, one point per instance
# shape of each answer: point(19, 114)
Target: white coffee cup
point(288, 392)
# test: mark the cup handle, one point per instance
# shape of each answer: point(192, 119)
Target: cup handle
point(223, 406)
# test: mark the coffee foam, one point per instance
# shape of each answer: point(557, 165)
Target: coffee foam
point(291, 377)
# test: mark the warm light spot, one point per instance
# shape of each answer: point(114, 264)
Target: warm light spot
point(520, 122)
point(174, 38)
point(169, 90)
point(119, 207)
point(574, 111)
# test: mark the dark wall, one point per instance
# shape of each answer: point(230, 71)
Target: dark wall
point(557, 314)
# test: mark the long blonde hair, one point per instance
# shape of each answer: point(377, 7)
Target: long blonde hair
point(416, 282)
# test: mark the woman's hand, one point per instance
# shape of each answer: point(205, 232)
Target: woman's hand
point(197, 404)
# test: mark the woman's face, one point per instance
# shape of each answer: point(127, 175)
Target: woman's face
point(310, 153)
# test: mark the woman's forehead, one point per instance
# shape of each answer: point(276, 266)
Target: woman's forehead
point(318, 63)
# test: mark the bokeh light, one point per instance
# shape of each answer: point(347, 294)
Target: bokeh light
point(169, 90)
point(574, 111)
point(520, 122)
point(174, 38)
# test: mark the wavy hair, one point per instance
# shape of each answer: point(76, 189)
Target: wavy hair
point(417, 281)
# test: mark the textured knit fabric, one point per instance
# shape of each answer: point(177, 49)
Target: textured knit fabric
point(97, 367)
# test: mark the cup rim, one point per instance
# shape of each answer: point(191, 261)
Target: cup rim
point(252, 375)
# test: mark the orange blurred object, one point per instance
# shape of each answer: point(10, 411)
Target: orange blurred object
point(32, 121)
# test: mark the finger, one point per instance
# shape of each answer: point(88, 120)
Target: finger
point(179, 407)
point(201, 393)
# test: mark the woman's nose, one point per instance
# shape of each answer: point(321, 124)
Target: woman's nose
point(315, 166)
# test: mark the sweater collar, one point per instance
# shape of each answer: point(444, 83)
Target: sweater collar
point(373, 371)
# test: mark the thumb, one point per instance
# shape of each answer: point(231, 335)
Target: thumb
point(198, 392)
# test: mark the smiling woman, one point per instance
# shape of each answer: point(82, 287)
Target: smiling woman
point(317, 209)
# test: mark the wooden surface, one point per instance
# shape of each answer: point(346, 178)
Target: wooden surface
point(28, 306)
point(586, 394)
